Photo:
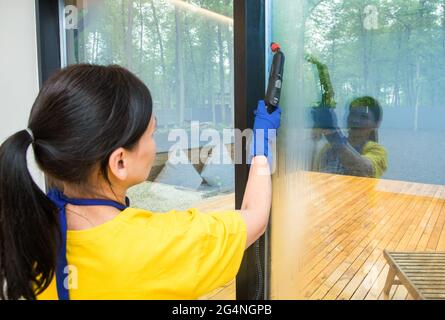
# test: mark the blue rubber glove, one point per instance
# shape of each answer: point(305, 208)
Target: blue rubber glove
point(325, 118)
point(264, 131)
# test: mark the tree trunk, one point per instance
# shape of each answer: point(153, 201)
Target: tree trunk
point(196, 79)
point(366, 53)
point(141, 35)
point(231, 79)
point(180, 85)
point(418, 79)
point(128, 42)
point(222, 78)
point(417, 101)
point(443, 28)
point(94, 48)
point(408, 74)
point(396, 101)
point(162, 53)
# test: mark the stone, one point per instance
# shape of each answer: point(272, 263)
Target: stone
point(182, 174)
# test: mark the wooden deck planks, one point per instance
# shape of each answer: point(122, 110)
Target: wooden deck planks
point(373, 267)
point(359, 269)
point(345, 270)
point(350, 222)
point(398, 219)
point(355, 230)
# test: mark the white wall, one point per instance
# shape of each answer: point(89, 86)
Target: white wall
point(18, 66)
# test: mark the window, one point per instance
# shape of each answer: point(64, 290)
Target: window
point(183, 51)
point(373, 180)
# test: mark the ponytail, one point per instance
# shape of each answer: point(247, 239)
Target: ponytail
point(29, 231)
point(82, 114)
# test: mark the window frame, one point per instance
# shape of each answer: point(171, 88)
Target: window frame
point(250, 58)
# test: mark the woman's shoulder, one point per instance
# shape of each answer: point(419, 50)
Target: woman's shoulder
point(374, 147)
point(188, 218)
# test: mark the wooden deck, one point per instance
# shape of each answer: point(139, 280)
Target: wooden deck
point(351, 220)
point(348, 223)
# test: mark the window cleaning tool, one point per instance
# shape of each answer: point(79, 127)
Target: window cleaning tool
point(272, 100)
point(273, 93)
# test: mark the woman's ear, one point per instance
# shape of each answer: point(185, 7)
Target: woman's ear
point(118, 164)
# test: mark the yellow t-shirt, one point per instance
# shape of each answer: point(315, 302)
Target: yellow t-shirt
point(374, 152)
point(378, 156)
point(145, 255)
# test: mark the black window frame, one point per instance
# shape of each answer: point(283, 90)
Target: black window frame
point(249, 52)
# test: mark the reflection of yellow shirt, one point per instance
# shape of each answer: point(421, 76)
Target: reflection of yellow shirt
point(142, 255)
point(378, 156)
point(373, 151)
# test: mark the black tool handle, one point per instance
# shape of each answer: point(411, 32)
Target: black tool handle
point(273, 93)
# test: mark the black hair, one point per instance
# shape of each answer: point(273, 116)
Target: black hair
point(375, 108)
point(371, 103)
point(82, 114)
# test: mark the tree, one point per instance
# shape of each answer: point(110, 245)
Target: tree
point(179, 67)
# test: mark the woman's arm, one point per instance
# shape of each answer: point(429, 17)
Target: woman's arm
point(258, 195)
point(257, 201)
point(353, 161)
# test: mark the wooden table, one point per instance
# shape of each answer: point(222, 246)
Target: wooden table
point(421, 273)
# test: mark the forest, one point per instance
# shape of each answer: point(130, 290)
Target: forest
point(182, 50)
point(393, 50)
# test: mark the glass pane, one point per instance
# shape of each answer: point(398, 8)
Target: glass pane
point(361, 147)
point(183, 51)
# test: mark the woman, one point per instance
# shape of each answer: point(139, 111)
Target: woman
point(358, 154)
point(91, 128)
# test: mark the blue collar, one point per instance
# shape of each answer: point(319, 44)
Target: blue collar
point(60, 200)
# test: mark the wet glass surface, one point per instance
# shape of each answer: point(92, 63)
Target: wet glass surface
point(361, 150)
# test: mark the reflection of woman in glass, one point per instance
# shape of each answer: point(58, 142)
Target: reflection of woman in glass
point(359, 153)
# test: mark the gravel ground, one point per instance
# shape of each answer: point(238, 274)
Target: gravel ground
point(416, 156)
point(159, 197)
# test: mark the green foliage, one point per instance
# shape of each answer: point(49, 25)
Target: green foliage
point(399, 61)
point(142, 36)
